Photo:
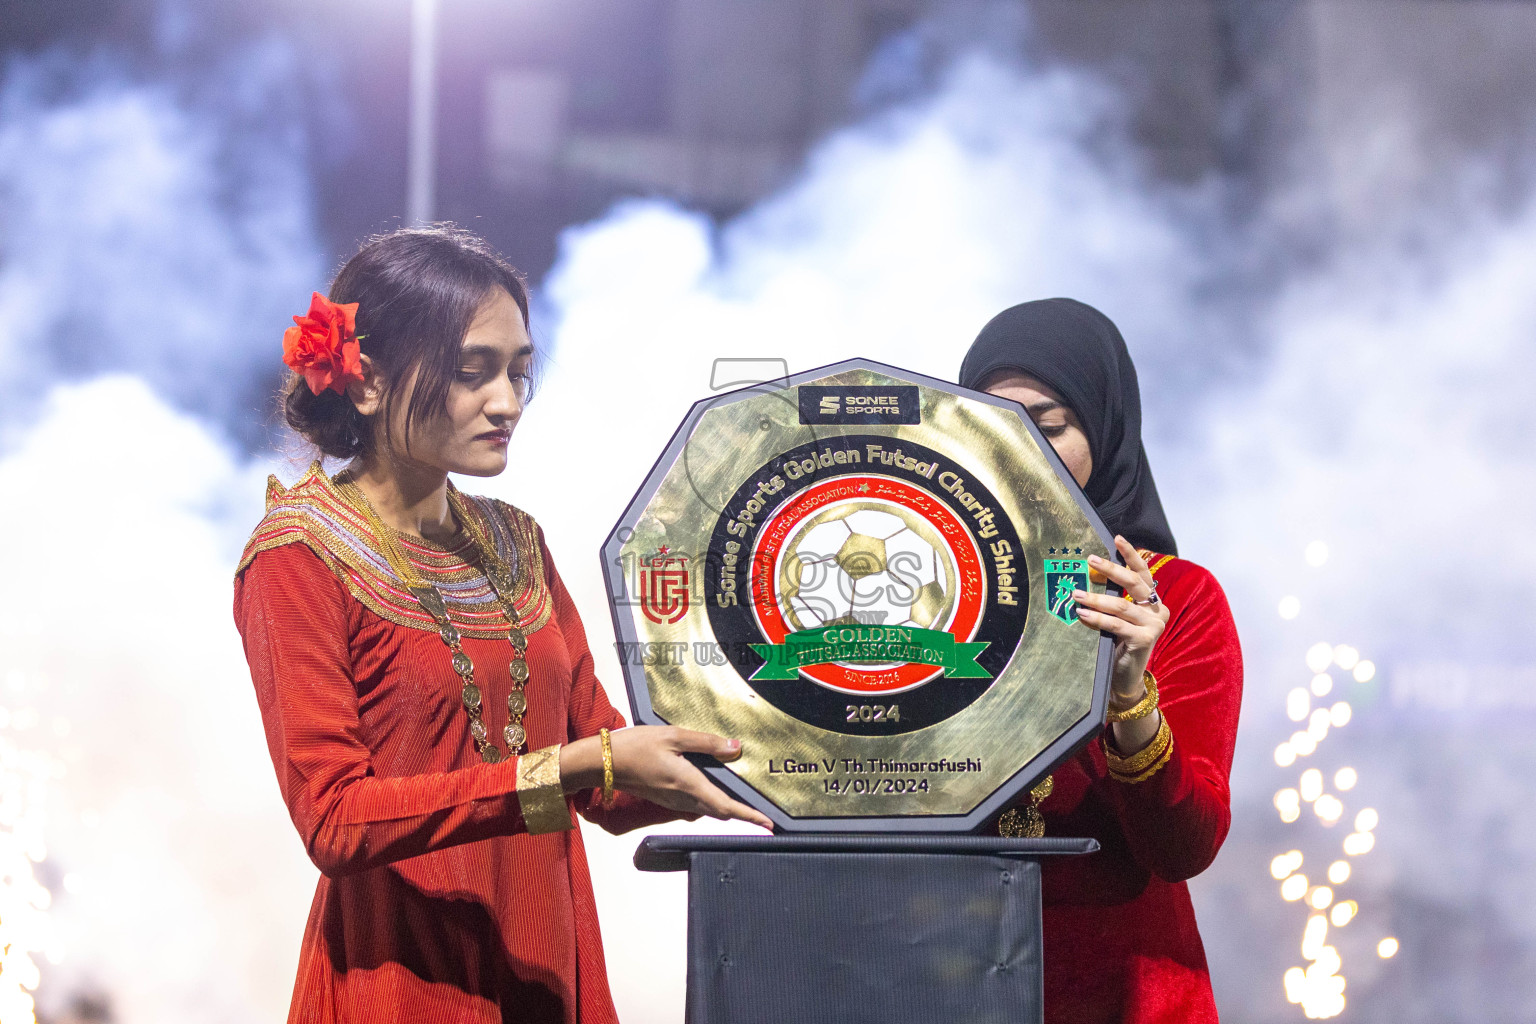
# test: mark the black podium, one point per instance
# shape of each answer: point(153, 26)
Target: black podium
point(889, 929)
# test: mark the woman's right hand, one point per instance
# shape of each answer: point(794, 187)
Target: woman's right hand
point(648, 762)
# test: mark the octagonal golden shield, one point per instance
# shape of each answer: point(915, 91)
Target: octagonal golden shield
point(866, 575)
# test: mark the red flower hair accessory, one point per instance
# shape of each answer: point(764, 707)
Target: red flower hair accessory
point(323, 346)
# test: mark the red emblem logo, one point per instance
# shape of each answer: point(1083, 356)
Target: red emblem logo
point(664, 586)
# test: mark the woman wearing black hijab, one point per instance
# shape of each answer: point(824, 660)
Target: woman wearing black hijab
point(1121, 943)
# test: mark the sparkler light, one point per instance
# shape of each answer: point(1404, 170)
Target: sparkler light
point(25, 926)
point(1319, 987)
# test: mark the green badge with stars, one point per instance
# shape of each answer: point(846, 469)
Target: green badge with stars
point(1062, 576)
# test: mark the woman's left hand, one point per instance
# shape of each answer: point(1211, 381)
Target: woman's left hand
point(1135, 624)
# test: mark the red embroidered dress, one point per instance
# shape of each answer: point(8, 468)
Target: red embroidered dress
point(1121, 945)
point(435, 902)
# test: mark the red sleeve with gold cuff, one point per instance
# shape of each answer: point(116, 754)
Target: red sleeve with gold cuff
point(293, 616)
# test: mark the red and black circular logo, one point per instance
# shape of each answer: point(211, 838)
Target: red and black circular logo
point(866, 585)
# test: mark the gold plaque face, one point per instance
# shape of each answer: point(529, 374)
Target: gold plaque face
point(866, 576)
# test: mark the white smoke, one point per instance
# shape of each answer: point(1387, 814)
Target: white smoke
point(148, 247)
point(179, 891)
point(143, 233)
point(1378, 408)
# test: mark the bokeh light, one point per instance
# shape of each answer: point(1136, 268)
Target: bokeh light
point(1387, 948)
point(1295, 984)
point(1338, 872)
point(1357, 843)
point(1290, 607)
point(1283, 865)
point(1322, 685)
point(1313, 936)
point(1344, 779)
point(1288, 803)
point(1298, 703)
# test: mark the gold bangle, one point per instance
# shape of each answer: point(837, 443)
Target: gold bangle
point(1156, 767)
point(1130, 764)
point(1143, 764)
point(607, 768)
point(1142, 708)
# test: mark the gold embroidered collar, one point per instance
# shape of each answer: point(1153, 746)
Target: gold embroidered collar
point(313, 512)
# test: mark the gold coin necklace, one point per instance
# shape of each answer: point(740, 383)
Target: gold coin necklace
point(431, 599)
point(1026, 821)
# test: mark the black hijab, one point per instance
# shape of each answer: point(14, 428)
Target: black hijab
point(1078, 352)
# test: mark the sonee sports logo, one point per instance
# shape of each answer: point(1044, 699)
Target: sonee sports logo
point(867, 404)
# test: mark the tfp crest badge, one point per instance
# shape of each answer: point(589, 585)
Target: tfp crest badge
point(664, 586)
point(1062, 577)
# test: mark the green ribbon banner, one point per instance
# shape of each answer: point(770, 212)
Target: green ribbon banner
point(871, 644)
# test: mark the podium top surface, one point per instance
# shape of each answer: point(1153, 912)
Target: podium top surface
point(670, 853)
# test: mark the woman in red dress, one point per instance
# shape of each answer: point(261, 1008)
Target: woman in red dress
point(1120, 938)
point(424, 679)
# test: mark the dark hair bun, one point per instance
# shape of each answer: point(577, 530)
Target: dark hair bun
point(328, 421)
